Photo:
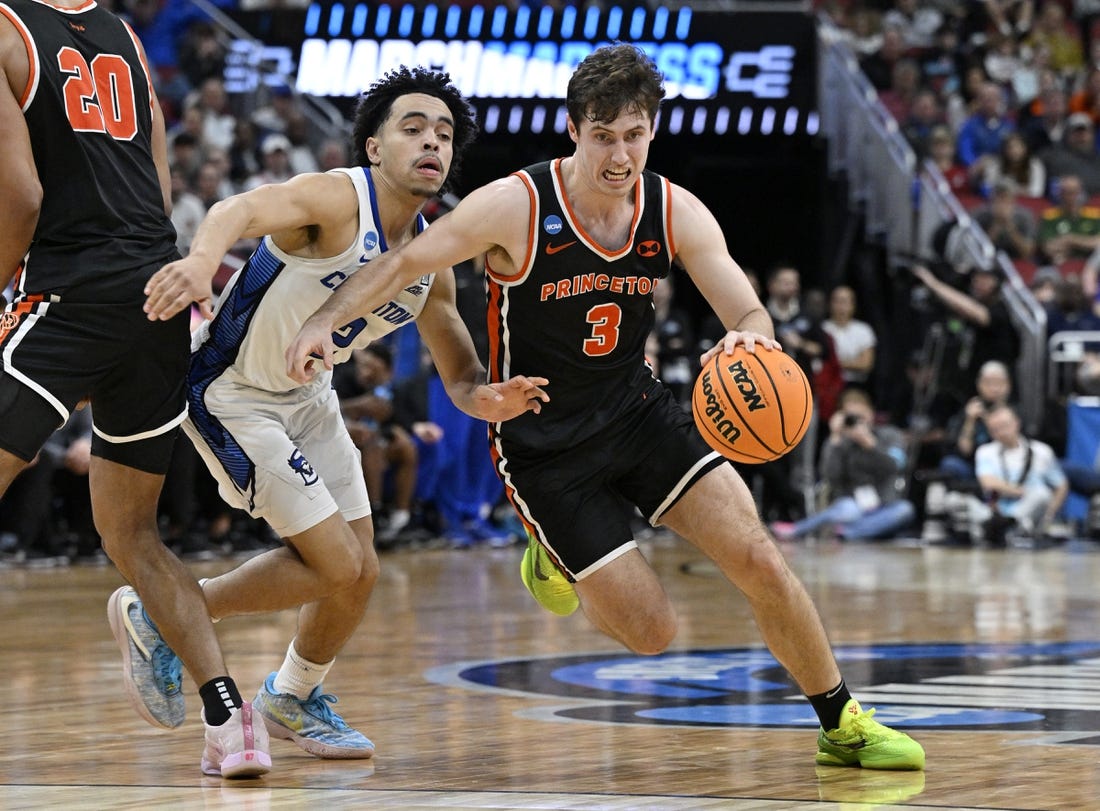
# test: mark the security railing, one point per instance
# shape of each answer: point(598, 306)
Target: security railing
point(904, 204)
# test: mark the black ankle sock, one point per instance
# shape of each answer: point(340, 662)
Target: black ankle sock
point(830, 705)
point(219, 696)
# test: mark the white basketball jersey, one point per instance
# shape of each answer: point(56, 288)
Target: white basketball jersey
point(265, 303)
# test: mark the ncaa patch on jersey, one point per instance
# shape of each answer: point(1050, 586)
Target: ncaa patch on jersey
point(552, 224)
point(1047, 690)
point(370, 241)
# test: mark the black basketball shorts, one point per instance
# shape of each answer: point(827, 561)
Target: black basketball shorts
point(55, 354)
point(580, 501)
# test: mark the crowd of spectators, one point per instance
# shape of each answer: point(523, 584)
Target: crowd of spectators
point(1003, 97)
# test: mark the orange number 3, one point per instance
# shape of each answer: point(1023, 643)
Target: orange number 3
point(99, 97)
point(605, 320)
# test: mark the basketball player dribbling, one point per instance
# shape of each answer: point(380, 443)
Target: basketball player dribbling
point(574, 249)
point(84, 224)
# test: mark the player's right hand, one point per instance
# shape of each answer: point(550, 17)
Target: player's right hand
point(176, 285)
point(312, 343)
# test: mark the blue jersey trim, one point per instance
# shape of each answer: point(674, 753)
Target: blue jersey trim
point(219, 352)
point(382, 246)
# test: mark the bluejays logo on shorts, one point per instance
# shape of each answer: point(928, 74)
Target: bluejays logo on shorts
point(552, 225)
point(300, 465)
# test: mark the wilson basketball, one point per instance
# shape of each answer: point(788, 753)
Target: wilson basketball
point(752, 407)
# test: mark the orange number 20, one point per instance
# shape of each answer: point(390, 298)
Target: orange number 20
point(99, 97)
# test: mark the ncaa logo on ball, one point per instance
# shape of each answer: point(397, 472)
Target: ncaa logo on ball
point(552, 225)
point(746, 385)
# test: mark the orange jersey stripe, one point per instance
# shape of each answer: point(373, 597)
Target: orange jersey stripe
point(17, 277)
point(13, 317)
point(531, 236)
point(668, 217)
point(69, 9)
point(144, 63)
point(494, 324)
point(32, 54)
point(575, 224)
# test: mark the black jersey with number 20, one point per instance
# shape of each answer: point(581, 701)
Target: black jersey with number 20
point(577, 312)
point(88, 107)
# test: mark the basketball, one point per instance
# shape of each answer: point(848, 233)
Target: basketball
point(752, 407)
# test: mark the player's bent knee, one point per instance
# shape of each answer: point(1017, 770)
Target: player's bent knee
point(123, 526)
point(654, 641)
point(126, 539)
point(653, 634)
point(369, 571)
point(339, 562)
point(768, 570)
point(349, 574)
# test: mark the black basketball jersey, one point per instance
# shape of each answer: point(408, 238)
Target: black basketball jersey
point(578, 313)
point(88, 108)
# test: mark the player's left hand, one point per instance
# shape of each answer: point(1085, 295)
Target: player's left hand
point(310, 347)
point(496, 402)
point(172, 288)
point(750, 340)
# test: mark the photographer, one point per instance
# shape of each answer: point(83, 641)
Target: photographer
point(861, 464)
point(976, 320)
point(967, 429)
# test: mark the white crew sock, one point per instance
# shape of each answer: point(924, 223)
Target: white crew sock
point(201, 581)
point(399, 519)
point(298, 676)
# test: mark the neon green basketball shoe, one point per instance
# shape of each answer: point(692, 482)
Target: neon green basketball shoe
point(546, 582)
point(860, 740)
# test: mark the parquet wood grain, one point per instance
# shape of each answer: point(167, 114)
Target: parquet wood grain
point(71, 739)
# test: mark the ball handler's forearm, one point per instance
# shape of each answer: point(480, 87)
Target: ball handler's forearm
point(376, 283)
point(756, 320)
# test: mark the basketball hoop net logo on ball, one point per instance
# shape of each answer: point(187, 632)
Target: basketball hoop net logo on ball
point(752, 407)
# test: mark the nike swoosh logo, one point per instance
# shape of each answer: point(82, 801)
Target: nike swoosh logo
point(553, 249)
point(294, 722)
point(538, 570)
point(124, 604)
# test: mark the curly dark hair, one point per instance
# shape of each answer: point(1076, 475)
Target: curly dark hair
point(613, 79)
point(375, 105)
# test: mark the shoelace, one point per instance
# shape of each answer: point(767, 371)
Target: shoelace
point(865, 724)
point(319, 708)
point(168, 668)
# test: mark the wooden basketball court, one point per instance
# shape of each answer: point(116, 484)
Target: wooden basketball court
point(478, 698)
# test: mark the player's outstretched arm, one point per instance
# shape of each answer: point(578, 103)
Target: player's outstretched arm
point(452, 349)
point(284, 210)
point(482, 221)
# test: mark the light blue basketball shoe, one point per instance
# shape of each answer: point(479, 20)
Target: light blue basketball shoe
point(310, 723)
point(152, 672)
